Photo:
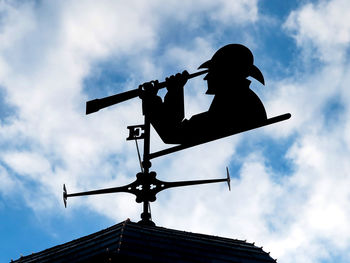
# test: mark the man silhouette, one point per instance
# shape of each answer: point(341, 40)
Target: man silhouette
point(235, 107)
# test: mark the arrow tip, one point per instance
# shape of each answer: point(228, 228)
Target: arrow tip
point(64, 195)
point(228, 179)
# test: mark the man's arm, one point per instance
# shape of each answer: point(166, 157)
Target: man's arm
point(174, 99)
point(166, 117)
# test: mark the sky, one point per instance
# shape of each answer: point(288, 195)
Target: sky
point(290, 180)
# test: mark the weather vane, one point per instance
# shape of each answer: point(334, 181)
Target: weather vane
point(234, 109)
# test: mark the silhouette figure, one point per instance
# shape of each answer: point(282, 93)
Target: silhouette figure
point(235, 107)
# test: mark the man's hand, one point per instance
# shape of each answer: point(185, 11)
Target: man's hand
point(177, 81)
point(149, 89)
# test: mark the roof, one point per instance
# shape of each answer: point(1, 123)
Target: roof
point(133, 242)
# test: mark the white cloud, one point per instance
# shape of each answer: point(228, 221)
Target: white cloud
point(27, 163)
point(316, 228)
point(324, 25)
point(226, 12)
point(7, 183)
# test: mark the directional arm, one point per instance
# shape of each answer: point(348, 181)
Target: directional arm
point(166, 185)
point(145, 188)
point(125, 188)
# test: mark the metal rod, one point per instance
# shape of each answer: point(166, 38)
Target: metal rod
point(101, 191)
point(193, 182)
point(146, 164)
point(146, 146)
point(138, 155)
point(125, 188)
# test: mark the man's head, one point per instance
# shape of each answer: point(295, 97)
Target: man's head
point(232, 62)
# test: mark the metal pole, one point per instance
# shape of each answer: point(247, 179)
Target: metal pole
point(146, 215)
point(146, 147)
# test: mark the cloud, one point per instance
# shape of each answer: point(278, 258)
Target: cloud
point(7, 183)
point(322, 25)
point(317, 96)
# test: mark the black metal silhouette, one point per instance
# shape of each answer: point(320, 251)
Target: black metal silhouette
point(235, 108)
point(145, 187)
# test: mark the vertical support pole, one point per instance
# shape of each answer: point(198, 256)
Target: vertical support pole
point(146, 146)
point(146, 215)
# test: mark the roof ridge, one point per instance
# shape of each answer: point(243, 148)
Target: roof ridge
point(199, 235)
point(121, 234)
point(66, 245)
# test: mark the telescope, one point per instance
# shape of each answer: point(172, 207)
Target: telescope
point(97, 104)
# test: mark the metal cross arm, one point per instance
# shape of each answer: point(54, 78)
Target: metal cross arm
point(166, 185)
point(145, 187)
point(137, 188)
point(125, 188)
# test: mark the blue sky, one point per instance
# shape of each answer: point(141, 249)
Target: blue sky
point(289, 180)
